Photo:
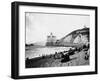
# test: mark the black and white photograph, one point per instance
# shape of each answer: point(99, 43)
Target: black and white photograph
point(51, 40)
point(56, 40)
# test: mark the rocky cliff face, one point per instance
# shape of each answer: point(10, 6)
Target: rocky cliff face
point(78, 36)
point(81, 39)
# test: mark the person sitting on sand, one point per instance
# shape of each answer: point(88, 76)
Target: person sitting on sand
point(66, 58)
point(71, 52)
point(87, 54)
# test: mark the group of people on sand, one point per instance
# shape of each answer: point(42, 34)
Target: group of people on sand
point(65, 55)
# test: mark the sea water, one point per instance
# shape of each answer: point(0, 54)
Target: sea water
point(33, 52)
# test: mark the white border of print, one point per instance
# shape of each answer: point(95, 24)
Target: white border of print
point(54, 70)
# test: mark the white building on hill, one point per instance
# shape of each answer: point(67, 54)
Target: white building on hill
point(51, 40)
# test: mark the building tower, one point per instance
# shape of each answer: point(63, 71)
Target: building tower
point(51, 40)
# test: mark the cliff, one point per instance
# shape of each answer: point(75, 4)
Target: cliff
point(75, 37)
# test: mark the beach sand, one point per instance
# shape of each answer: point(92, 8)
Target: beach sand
point(76, 59)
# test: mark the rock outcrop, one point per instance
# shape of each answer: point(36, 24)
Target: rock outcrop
point(76, 37)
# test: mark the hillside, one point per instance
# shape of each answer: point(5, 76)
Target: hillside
point(76, 36)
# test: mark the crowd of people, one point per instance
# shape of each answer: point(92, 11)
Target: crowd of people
point(65, 55)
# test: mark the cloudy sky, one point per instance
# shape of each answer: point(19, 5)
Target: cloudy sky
point(39, 25)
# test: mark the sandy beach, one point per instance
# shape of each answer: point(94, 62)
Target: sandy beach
point(76, 59)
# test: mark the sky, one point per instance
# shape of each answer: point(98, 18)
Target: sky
point(40, 25)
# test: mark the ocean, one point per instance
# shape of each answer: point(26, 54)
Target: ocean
point(33, 52)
